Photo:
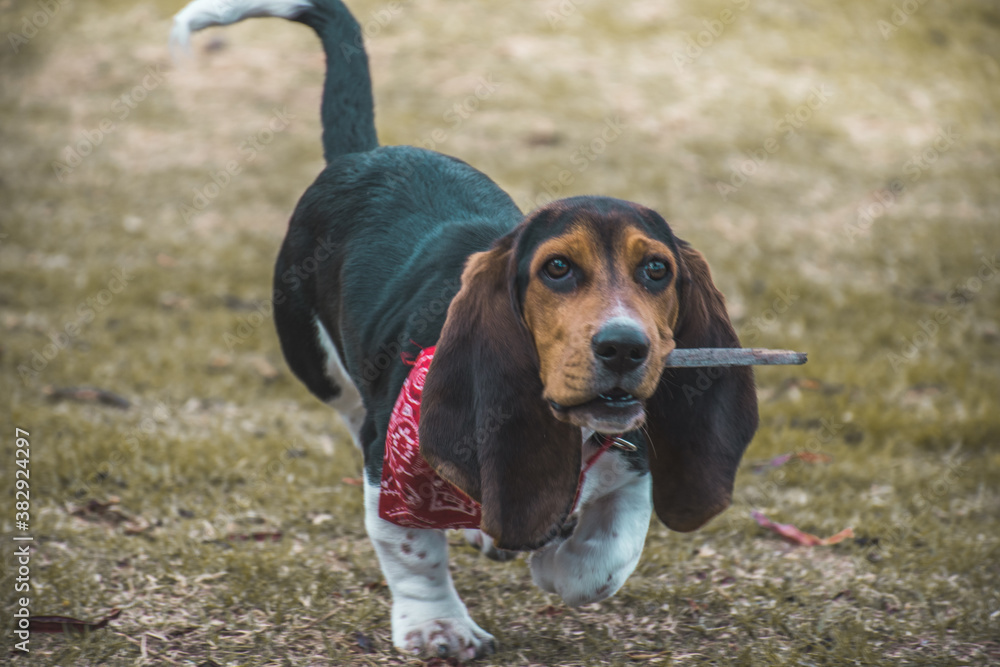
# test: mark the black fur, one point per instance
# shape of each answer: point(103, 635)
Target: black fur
point(410, 217)
point(348, 111)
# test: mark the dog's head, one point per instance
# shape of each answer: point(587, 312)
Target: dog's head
point(566, 323)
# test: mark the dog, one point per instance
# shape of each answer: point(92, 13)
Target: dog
point(501, 372)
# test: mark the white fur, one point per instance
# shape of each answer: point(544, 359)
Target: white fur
point(201, 14)
point(349, 403)
point(486, 546)
point(428, 617)
point(613, 514)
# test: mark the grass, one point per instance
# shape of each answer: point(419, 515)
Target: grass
point(221, 441)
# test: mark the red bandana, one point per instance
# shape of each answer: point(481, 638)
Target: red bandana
point(413, 494)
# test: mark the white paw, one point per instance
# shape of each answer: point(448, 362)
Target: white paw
point(421, 634)
point(581, 573)
point(484, 543)
point(543, 566)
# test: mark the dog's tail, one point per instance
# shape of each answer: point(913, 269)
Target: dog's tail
point(348, 111)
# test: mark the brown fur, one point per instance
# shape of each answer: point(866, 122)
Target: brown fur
point(477, 429)
point(697, 440)
point(564, 324)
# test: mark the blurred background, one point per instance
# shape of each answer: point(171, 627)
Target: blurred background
point(837, 163)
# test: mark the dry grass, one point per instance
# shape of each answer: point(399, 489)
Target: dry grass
point(216, 443)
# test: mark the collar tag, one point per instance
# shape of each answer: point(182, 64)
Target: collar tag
point(616, 441)
point(621, 443)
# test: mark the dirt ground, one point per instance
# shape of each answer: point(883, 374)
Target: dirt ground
point(838, 164)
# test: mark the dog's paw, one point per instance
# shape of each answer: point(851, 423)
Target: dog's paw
point(429, 637)
point(484, 543)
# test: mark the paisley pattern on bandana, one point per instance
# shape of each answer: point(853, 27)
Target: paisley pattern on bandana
point(413, 494)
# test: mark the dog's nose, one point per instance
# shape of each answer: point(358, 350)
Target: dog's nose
point(621, 346)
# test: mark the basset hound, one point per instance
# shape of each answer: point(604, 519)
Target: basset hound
point(518, 359)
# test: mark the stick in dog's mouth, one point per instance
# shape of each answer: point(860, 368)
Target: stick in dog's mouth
point(702, 357)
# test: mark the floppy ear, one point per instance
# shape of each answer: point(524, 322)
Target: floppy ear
point(484, 425)
point(699, 420)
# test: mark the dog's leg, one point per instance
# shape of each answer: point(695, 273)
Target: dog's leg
point(428, 617)
point(605, 546)
point(348, 403)
point(484, 543)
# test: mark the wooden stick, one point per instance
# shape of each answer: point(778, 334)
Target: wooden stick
point(695, 357)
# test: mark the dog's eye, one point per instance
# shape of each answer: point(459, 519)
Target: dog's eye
point(556, 268)
point(656, 270)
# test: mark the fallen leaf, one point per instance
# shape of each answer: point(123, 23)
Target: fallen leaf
point(777, 461)
point(364, 642)
point(796, 536)
point(136, 526)
point(793, 385)
point(100, 510)
point(233, 302)
point(263, 536)
point(813, 457)
point(264, 367)
point(60, 624)
point(172, 300)
point(220, 361)
point(86, 395)
point(645, 655)
point(805, 457)
point(180, 632)
point(543, 138)
point(321, 518)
